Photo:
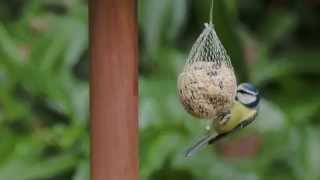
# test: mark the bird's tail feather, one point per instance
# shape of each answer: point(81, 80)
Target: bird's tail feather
point(199, 144)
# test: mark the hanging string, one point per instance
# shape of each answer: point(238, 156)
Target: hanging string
point(211, 12)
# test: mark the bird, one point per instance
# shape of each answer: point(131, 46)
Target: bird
point(242, 113)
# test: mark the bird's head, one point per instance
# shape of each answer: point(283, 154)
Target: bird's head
point(248, 95)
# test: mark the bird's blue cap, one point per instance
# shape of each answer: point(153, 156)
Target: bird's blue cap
point(249, 87)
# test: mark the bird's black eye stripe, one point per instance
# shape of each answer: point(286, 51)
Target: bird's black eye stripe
point(242, 91)
point(246, 92)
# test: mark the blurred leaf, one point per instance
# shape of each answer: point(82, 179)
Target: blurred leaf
point(161, 21)
point(37, 170)
point(303, 113)
point(78, 43)
point(80, 103)
point(307, 161)
point(288, 64)
point(8, 47)
point(270, 117)
point(7, 146)
point(13, 109)
point(161, 148)
point(277, 26)
point(312, 153)
point(48, 51)
point(206, 166)
point(82, 172)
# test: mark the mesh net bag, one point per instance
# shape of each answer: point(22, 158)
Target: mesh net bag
point(208, 48)
point(207, 85)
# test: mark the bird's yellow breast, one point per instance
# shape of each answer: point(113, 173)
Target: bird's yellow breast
point(239, 113)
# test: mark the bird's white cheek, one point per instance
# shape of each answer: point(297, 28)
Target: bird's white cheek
point(246, 98)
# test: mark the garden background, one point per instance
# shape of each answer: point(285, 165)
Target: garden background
point(44, 132)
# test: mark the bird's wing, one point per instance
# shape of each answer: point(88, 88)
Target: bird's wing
point(248, 121)
point(242, 125)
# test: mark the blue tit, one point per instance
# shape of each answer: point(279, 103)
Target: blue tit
point(243, 111)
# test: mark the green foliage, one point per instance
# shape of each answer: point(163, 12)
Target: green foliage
point(271, 45)
point(43, 98)
point(44, 89)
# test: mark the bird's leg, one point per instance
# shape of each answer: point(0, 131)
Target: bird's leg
point(225, 119)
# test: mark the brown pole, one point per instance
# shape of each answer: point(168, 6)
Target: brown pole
point(113, 90)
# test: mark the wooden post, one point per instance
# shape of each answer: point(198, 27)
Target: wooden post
point(113, 90)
